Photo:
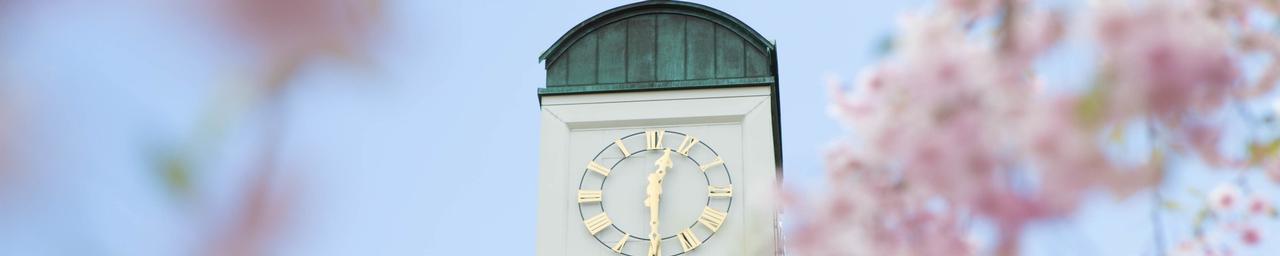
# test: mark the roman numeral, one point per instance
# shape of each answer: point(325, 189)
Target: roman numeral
point(596, 167)
point(720, 191)
point(713, 163)
point(597, 223)
point(623, 148)
point(687, 144)
point(589, 196)
point(711, 218)
point(653, 139)
point(617, 247)
point(689, 240)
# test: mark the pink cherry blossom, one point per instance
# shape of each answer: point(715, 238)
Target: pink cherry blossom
point(1251, 236)
point(1258, 205)
point(7, 140)
point(973, 8)
point(953, 125)
point(302, 26)
point(1225, 198)
point(1272, 169)
point(1189, 248)
point(1166, 58)
point(957, 121)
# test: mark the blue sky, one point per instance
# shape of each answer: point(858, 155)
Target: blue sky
point(429, 149)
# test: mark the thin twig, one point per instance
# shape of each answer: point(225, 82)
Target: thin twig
point(1157, 226)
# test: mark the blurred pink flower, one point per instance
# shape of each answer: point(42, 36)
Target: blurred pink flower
point(1167, 58)
point(1198, 247)
point(303, 26)
point(260, 215)
point(1225, 198)
point(13, 124)
point(956, 121)
point(289, 33)
point(1260, 205)
point(284, 35)
point(952, 126)
point(6, 144)
point(1036, 32)
point(970, 10)
point(1229, 218)
point(875, 217)
point(1251, 236)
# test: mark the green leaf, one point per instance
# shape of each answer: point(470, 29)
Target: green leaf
point(1261, 152)
point(1202, 216)
point(884, 46)
point(175, 172)
point(1117, 134)
point(1091, 110)
point(1196, 193)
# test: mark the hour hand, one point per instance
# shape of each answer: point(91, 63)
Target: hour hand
point(654, 190)
point(664, 162)
point(654, 194)
point(655, 247)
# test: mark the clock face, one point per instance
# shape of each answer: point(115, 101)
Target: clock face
point(655, 193)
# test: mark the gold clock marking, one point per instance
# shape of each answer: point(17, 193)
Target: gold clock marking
point(689, 240)
point(617, 247)
point(712, 218)
point(687, 144)
point(597, 223)
point(713, 163)
point(653, 139)
point(625, 152)
point(720, 191)
point(589, 196)
point(596, 167)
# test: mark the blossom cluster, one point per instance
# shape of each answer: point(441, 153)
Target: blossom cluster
point(955, 126)
point(1227, 217)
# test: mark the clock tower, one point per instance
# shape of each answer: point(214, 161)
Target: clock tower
point(659, 136)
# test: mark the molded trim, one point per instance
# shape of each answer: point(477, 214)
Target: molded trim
point(659, 85)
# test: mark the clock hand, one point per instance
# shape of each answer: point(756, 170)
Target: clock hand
point(654, 194)
point(663, 163)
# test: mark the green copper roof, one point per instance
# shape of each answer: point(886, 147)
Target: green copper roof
point(655, 45)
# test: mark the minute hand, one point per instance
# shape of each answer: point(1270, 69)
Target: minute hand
point(654, 194)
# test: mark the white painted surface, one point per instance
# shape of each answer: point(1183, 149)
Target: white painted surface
point(736, 122)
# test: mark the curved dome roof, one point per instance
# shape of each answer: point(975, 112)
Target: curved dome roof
point(652, 7)
point(658, 45)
